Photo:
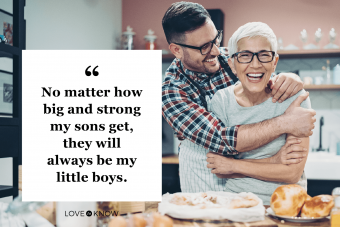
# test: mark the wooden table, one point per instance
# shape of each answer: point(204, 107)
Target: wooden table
point(268, 222)
point(173, 159)
point(48, 212)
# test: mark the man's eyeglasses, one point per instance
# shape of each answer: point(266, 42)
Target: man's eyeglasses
point(206, 48)
point(247, 56)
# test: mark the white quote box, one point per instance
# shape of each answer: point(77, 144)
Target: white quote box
point(48, 76)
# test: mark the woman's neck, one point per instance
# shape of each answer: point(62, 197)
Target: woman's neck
point(246, 98)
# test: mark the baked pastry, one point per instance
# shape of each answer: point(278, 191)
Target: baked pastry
point(318, 206)
point(194, 199)
point(248, 200)
point(287, 200)
point(118, 221)
point(308, 197)
point(208, 200)
point(138, 220)
point(161, 220)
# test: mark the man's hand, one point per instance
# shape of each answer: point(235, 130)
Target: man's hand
point(299, 121)
point(220, 164)
point(284, 86)
point(290, 153)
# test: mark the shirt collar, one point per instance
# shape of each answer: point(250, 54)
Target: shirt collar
point(193, 74)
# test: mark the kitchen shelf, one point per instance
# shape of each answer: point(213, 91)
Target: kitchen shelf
point(9, 121)
point(5, 12)
point(11, 125)
point(287, 54)
point(8, 50)
point(318, 53)
point(4, 71)
point(6, 191)
point(322, 87)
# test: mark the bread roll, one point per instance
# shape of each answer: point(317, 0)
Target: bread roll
point(138, 220)
point(161, 221)
point(287, 200)
point(118, 221)
point(318, 206)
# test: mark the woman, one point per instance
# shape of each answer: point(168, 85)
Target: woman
point(253, 51)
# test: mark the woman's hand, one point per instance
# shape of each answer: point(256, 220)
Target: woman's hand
point(290, 153)
point(220, 164)
point(284, 85)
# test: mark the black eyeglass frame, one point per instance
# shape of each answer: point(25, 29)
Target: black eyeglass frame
point(257, 55)
point(219, 33)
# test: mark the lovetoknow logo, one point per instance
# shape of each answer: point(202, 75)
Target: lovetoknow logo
point(89, 213)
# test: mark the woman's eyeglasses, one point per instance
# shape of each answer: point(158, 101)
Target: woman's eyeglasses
point(247, 56)
point(206, 48)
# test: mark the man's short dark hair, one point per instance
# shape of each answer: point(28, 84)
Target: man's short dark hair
point(183, 17)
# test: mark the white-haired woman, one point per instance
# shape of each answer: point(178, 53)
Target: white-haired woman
point(253, 51)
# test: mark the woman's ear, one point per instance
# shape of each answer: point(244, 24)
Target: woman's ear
point(276, 59)
point(231, 65)
point(176, 50)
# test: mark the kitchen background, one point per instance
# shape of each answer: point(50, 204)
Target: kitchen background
point(101, 24)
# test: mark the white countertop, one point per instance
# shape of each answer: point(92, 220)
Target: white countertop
point(322, 166)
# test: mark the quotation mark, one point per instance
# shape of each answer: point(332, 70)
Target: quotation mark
point(88, 213)
point(94, 72)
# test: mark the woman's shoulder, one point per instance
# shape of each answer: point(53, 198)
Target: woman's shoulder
point(222, 99)
point(305, 104)
point(224, 94)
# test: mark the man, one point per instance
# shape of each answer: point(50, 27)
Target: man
point(194, 40)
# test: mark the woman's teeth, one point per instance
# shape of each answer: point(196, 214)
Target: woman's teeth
point(254, 77)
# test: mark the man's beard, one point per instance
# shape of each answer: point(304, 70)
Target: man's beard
point(196, 66)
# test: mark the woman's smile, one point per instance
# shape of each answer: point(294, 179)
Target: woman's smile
point(255, 77)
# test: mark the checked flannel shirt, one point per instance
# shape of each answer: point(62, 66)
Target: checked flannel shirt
point(183, 109)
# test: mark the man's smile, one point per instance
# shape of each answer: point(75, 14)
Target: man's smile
point(211, 60)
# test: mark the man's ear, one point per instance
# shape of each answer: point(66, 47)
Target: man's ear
point(176, 50)
point(231, 65)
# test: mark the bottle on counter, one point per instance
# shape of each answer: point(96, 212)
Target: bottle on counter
point(336, 74)
point(128, 38)
point(328, 73)
point(335, 213)
point(150, 39)
point(336, 192)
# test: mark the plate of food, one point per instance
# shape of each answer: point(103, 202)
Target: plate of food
point(293, 219)
point(292, 203)
point(141, 220)
point(217, 206)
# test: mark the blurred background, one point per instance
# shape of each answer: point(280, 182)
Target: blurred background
point(308, 40)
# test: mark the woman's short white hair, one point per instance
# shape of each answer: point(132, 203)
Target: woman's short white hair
point(250, 30)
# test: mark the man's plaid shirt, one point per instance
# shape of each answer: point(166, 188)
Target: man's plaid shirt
point(183, 109)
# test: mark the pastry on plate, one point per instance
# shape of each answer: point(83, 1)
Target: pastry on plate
point(287, 200)
point(318, 206)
